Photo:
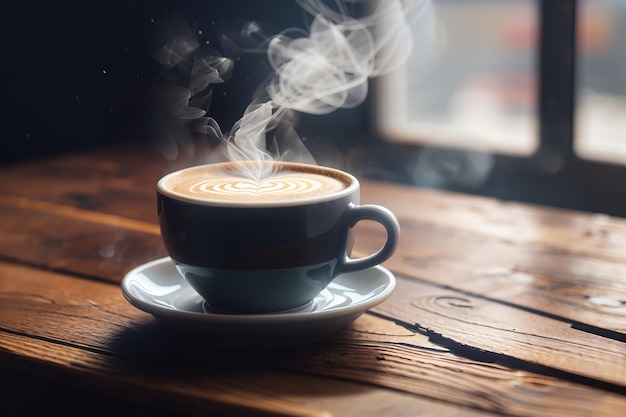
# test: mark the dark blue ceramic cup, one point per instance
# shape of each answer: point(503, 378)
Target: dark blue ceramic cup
point(246, 249)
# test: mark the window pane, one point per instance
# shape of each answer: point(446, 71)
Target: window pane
point(470, 81)
point(601, 78)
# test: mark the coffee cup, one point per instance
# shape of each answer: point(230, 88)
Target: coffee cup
point(251, 245)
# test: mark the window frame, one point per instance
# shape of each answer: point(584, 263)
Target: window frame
point(554, 175)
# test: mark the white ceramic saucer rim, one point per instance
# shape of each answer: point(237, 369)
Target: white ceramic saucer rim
point(271, 318)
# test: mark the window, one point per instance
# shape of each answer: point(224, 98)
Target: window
point(601, 81)
point(532, 93)
point(470, 81)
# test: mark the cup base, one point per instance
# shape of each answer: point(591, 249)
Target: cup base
point(258, 291)
point(305, 308)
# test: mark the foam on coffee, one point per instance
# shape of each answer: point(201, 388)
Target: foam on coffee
point(287, 183)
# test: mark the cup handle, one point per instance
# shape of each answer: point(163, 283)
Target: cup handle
point(382, 215)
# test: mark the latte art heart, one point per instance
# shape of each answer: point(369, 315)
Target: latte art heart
point(281, 186)
point(223, 182)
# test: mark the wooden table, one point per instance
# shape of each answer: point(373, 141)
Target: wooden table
point(500, 309)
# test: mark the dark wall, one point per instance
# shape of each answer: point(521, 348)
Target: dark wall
point(77, 74)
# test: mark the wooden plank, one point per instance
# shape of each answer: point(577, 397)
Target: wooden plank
point(195, 390)
point(579, 288)
point(78, 241)
point(95, 339)
point(406, 363)
point(182, 393)
point(105, 246)
point(588, 234)
point(337, 398)
point(496, 332)
point(119, 180)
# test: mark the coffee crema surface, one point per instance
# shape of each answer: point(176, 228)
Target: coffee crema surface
point(286, 184)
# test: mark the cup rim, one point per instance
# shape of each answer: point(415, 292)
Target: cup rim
point(351, 188)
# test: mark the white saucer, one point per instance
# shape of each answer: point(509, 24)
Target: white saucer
point(157, 288)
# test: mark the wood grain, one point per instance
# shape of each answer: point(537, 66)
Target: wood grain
point(96, 244)
point(501, 308)
point(506, 334)
point(534, 276)
point(119, 180)
point(61, 238)
point(580, 257)
point(93, 336)
point(592, 234)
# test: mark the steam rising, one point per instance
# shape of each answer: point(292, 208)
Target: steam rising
point(330, 68)
point(316, 72)
point(186, 88)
